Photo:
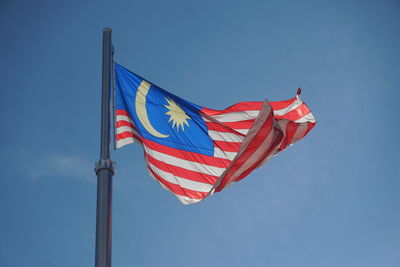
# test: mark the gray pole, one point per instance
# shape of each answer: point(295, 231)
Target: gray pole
point(104, 167)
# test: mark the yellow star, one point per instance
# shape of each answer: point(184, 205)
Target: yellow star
point(178, 115)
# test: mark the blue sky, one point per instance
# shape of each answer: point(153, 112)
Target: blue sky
point(330, 200)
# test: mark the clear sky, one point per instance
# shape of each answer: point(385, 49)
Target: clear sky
point(330, 200)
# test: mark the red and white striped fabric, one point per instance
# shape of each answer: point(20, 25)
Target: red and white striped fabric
point(245, 136)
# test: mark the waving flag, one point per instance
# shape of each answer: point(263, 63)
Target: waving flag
point(194, 151)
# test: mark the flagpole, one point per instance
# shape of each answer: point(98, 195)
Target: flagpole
point(104, 167)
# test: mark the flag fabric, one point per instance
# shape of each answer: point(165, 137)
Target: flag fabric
point(194, 151)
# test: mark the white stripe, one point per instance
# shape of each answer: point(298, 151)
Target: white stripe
point(125, 141)
point(224, 136)
point(123, 129)
point(187, 200)
point(297, 103)
point(182, 182)
point(307, 118)
point(242, 131)
point(218, 153)
point(124, 118)
point(182, 199)
point(236, 116)
point(186, 164)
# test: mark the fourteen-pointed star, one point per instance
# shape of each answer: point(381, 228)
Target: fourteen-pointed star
point(178, 116)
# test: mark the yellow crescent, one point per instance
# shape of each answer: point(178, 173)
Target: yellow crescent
point(141, 111)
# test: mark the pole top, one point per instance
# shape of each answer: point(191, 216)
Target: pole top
point(106, 29)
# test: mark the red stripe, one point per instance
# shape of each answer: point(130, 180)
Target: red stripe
point(295, 114)
point(182, 172)
point(186, 155)
point(227, 146)
point(177, 189)
point(276, 105)
point(121, 123)
point(122, 112)
point(126, 135)
point(240, 125)
point(212, 126)
point(242, 106)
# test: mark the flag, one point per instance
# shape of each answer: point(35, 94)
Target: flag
point(194, 151)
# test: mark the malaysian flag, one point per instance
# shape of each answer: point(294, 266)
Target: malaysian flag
point(194, 151)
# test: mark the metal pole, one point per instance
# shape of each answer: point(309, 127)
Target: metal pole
point(104, 167)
